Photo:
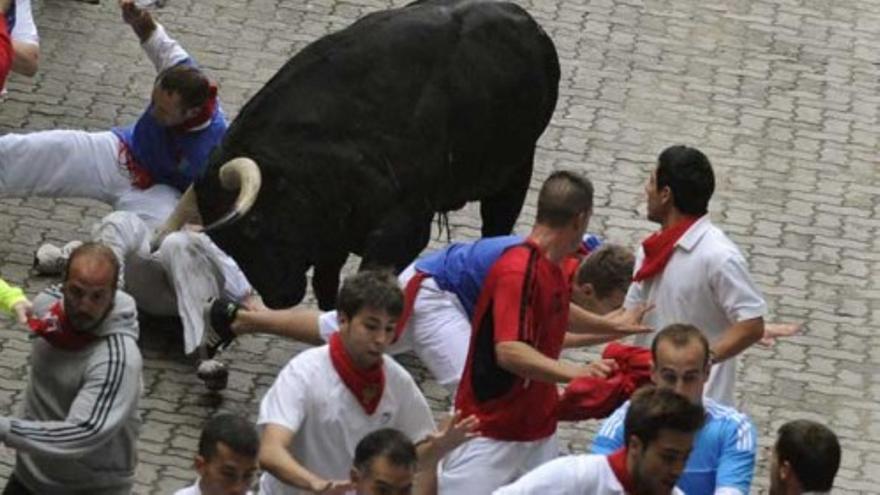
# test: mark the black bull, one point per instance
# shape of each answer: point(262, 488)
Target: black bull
point(366, 133)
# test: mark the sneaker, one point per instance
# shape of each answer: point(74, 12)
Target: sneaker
point(50, 259)
point(214, 373)
point(217, 334)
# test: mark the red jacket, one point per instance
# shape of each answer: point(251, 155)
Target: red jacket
point(596, 398)
point(5, 51)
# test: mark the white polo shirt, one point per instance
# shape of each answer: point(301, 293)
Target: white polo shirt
point(706, 284)
point(310, 399)
point(570, 475)
point(195, 490)
point(24, 30)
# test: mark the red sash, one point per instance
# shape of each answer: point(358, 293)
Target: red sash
point(659, 247)
point(55, 329)
point(366, 385)
point(139, 176)
point(617, 461)
point(409, 301)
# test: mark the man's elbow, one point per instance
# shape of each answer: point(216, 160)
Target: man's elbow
point(507, 358)
point(27, 59)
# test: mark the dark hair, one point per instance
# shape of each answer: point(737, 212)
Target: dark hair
point(94, 250)
point(680, 335)
point(813, 452)
point(653, 409)
point(388, 443)
point(189, 82)
point(563, 196)
point(607, 269)
point(689, 175)
point(377, 289)
point(235, 432)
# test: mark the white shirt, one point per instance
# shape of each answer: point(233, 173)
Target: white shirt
point(310, 399)
point(24, 30)
point(195, 490)
point(706, 284)
point(569, 475)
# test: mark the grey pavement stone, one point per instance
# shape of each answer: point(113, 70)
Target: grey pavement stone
point(783, 96)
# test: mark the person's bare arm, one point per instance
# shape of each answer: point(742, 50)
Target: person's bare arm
point(276, 459)
point(295, 323)
point(573, 340)
point(25, 58)
point(525, 361)
point(618, 324)
point(737, 338)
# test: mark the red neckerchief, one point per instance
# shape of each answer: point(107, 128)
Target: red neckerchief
point(659, 247)
point(366, 385)
point(55, 329)
point(206, 112)
point(617, 461)
point(409, 301)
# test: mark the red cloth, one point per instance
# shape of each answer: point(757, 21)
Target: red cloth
point(524, 299)
point(596, 398)
point(5, 51)
point(206, 112)
point(366, 385)
point(659, 247)
point(617, 461)
point(56, 329)
point(409, 301)
point(140, 178)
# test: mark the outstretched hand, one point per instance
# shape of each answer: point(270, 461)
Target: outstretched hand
point(23, 310)
point(773, 331)
point(333, 487)
point(452, 433)
point(629, 321)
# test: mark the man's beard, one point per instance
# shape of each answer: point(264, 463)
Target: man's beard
point(86, 326)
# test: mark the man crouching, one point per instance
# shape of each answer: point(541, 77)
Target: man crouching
point(79, 429)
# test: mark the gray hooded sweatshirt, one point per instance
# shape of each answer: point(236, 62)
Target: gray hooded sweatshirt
point(79, 429)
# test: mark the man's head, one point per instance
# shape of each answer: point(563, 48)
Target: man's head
point(805, 458)
point(565, 204)
point(368, 306)
point(227, 458)
point(179, 93)
point(681, 360)
point(384, 464)
point(659, 429)
point(683, 180)
point(603, 278)
point(89, 285)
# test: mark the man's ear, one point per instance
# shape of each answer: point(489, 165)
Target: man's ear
point(785, 473)
point(355, 475)
point(587, 289)
point(634, 444)
point(200, 464)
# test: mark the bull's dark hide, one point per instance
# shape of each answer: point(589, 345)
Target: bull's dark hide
point(366, 133)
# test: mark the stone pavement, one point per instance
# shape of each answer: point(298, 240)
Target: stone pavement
point(782, 96)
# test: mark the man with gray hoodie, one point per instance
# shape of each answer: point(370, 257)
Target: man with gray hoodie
point(79, 428)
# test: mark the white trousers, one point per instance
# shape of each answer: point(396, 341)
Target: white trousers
point(78, 164)
point(179, 278)
point(482, 465)
point(438, 331)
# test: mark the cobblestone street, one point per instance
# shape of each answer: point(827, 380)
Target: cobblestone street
point(782, 95)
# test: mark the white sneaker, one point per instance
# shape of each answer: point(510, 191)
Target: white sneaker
point(50, 259)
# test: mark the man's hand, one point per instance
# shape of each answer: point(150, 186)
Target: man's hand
point(599, 369)
point(452, 433)
point(629, 321)
point(331, 487)
point(773, 331)
point(22, 309)
point(139, 19)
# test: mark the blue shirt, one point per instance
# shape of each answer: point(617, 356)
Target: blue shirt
point(723, 455)
point(460, 268)
point(170, 156)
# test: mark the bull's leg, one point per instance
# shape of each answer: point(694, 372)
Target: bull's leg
point(398, 239)
point(325, 280)
point(499, 212)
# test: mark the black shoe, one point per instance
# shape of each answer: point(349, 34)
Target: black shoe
point(217, 334)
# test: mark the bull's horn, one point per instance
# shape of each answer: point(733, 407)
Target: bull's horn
point(186, 211)
point(243, 174)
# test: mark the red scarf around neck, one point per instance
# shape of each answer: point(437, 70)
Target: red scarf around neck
point(56, 329)
point(617, 461)
point(366, 385)
point(206, 112)
point(659, 247)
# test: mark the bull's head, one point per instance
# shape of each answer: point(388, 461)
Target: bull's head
point(240, 173)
